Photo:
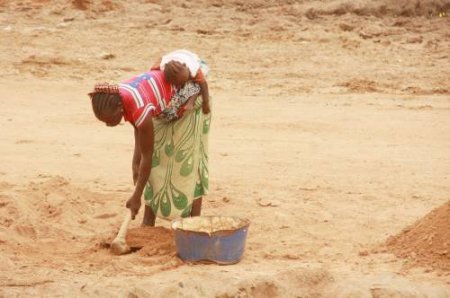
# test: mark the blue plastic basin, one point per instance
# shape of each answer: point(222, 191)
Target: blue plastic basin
point(216, 239)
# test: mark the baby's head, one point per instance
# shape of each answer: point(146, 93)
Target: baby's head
point(176, 73)
point(107, 103)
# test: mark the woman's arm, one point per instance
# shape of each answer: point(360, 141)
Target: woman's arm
point(136, 157)
point(145, 139)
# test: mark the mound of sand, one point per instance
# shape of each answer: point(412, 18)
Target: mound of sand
point(147, 241)
point(152, 241)
point(426, 242)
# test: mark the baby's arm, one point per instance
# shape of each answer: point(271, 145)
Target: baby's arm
point(205, 95)
point(200, 79)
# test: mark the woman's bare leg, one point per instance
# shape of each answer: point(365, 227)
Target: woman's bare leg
point(196, 207)
point(149, 217)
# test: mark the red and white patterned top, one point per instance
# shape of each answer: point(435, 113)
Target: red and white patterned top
point(145, 94)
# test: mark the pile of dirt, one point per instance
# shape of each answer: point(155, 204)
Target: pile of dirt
point(427, 241)
point(153, 240)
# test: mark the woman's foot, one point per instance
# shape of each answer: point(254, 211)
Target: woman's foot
point(149, 217)
point(196, 207)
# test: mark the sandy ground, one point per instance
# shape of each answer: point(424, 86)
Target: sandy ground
point(330, 133)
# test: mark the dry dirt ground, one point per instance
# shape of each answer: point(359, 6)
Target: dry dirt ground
point(330, 133)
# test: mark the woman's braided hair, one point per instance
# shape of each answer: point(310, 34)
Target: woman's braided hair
point(105, 98)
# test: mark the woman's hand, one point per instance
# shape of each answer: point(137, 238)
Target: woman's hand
point(134, 204)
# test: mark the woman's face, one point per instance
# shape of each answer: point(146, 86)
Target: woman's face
point(112, 117)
